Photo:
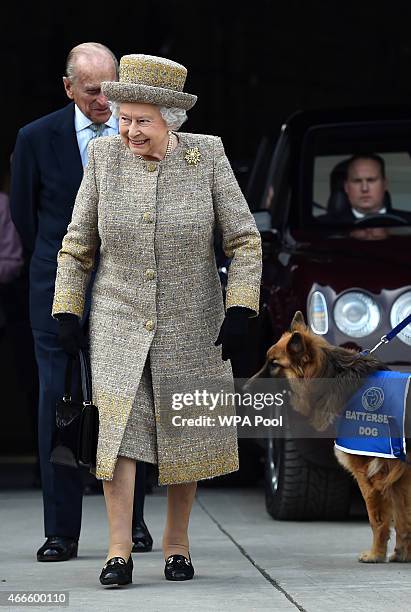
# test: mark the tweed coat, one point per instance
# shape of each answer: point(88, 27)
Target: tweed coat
point(157, 292)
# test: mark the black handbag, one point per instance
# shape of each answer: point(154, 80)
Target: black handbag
point(76, 437)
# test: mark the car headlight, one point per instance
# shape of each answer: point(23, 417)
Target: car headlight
point(401, 309)
point(318, 313)
point(356, 314)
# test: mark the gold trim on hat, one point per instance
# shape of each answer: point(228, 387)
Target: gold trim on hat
point(154, 73)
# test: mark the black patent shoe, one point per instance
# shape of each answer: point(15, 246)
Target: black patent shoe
point(117, 572)
point(142, 540)
point(57, 548)
point(178, 568)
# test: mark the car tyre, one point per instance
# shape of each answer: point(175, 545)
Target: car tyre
point(298, 490)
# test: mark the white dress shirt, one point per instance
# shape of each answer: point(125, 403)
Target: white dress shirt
point(85, 134)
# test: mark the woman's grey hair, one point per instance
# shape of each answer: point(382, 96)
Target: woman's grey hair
point(174, 117)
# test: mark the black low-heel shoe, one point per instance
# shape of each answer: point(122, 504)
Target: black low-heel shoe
point(117, 572)
point(57, 548)
point(178, 568)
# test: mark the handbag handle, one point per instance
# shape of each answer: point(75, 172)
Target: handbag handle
point(85, 378)
point(67, 379)
point(84, 375)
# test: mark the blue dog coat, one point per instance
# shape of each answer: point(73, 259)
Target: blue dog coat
point(373, 420)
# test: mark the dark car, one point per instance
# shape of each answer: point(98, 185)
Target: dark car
point(351, 279)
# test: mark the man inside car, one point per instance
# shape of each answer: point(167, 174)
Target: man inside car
point(359, 191)
point(365, 186)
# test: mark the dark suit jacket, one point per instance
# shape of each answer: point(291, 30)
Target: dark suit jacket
point(46, 175)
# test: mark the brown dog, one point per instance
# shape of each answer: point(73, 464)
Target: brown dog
point(385, 484)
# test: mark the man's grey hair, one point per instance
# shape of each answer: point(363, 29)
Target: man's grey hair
point(86, 49)
point(174, 117)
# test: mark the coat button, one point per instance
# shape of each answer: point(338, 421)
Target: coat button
point(149, 274)
point(151, 166)
point(149, 325)
point(148, 217)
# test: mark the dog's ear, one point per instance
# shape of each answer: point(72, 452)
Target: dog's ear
point(296, 345)
point(298, 321)
point(298, 351)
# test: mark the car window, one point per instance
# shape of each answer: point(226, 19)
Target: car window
point(326, 153)
point(397, 170)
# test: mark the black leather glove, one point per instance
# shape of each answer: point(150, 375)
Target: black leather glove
point(233, 331)
point(70, 334)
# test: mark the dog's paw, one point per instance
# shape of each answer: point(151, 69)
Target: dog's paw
point(369, 557)
point(399, 556)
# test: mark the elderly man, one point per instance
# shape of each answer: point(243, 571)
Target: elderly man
point(47, 169)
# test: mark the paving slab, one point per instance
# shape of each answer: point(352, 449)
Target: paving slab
point(225, 578)
point(244, 560)
point(313, 563)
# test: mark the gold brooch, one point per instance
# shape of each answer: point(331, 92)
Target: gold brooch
point(192, 156)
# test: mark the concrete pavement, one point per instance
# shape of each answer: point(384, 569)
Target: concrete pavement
point(244, 561)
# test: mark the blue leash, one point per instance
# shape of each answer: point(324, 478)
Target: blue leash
point(388, 337)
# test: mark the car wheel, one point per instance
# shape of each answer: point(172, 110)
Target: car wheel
point(298, 490)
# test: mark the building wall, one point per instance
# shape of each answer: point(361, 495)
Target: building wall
point(251, 63)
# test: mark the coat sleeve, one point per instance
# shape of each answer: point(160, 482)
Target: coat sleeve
point(241, 238)
point(76, 257)
point(25, 185)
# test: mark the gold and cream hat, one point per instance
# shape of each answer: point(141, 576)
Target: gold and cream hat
point(150, 79)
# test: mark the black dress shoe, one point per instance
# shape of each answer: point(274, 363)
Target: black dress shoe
point(58, 548)
point(178, 568)
point(117, 572)
point(142, 540)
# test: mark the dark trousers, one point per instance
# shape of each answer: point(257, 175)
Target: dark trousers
point(63, 486)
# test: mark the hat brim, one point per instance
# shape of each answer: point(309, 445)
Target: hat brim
point(130, 92)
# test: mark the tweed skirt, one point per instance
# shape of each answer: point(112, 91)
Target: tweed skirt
point(140, 436)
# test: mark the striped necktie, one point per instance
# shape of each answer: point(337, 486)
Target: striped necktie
point(97, 129)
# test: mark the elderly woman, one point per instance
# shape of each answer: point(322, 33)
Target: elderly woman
point(151, 199)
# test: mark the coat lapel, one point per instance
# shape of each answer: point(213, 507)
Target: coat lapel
point(64, 143)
